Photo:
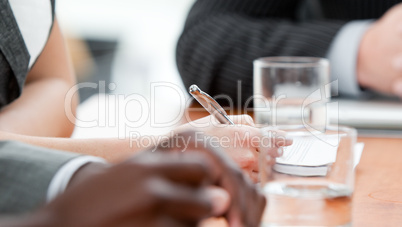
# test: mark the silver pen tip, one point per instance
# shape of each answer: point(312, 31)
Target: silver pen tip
point(193, 88)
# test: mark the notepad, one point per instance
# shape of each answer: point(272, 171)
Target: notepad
point(310, 151)
point(311, 156)
point(305, 171)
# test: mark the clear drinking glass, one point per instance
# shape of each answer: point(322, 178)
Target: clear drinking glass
point(311, 184)
point(291, 90)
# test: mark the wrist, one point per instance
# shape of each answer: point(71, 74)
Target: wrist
point(87, 171)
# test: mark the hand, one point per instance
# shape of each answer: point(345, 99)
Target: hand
point(247, 204)
point(379, 65)
point(151, 189)
point(156, 189)
point(241, 141)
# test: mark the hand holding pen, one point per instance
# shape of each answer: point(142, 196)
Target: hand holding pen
point(245, 155)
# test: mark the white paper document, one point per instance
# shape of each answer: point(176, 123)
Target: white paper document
point(312, 156)
point(310, 151)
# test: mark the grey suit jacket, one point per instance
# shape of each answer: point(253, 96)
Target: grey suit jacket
point(25, 174)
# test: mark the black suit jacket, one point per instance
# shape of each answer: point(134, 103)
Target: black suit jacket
point(221, 38)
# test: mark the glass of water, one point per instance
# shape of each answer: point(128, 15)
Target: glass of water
point(312, 183)
point(291, 90)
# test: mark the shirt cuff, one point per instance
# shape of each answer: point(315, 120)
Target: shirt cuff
point(60, 180)
point(343, 55)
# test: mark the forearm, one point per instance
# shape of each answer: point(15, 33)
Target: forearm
point(40, 110)
point(111, 149)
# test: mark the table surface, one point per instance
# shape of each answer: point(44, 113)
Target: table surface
point(377, 199)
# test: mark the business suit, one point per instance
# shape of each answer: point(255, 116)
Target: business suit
point(221, 38)
point(25, 174)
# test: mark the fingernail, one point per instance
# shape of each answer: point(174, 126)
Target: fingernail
point(397, 88)
point(220, 200)
point(397, 63)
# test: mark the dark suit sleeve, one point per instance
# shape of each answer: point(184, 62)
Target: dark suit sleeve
point(25, 174)
point(221, 39)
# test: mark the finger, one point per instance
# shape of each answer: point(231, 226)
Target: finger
point(233, 180)
point(253, 175)
point(272, 142)
point(237, 212)
point(269, 160)
point(253, 216)
point(255, 206)
point(269, 155)
point(254, 164)
point(246, 159)
point(189, 168)
point(154, 220)
point(167, 221)
point(254, 167)
point(229, 177)
point(220, 200)
point(267, 137)
point(261, 206)
point(275, 152)
point(258, 207)
point(280, 138)
point(242, 119)
point(239, 186)
point(181, 202)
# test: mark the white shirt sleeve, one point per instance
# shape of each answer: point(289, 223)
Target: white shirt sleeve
point(62, 177)
point(343, 55)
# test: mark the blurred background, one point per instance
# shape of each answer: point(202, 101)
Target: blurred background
point(129, 43)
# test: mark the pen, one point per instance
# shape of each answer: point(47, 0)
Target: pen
point(210, 104)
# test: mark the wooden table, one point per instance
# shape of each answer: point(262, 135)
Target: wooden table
point(377, 200)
